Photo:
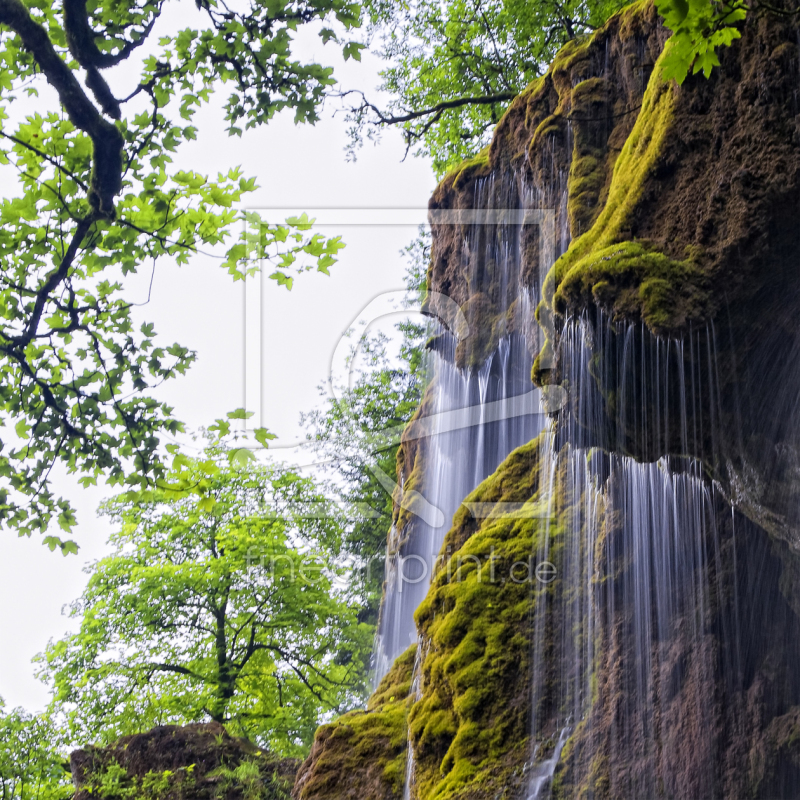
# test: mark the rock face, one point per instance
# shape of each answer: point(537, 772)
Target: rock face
point(658, 658)
point(195, 762)
point(363, 753)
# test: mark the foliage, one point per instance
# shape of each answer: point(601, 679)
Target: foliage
point(114, 782)
point(30, 766)
point(358, 434)
point(97, 197)
point(218, 605)
point(699, 27)
point(248, 778)
point(453, 67)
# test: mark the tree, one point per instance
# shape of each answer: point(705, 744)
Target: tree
point(358, 434)
point(31, 768)
point(220, 604)
point(453, 67)
point(97, 197)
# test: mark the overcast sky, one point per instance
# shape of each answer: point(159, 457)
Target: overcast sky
point(200, 306)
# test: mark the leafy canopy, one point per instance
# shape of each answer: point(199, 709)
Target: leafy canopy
point(96, 196)
point(452, 67)
point(223, 603)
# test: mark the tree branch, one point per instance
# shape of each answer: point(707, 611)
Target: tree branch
point(46, 157)
point(107, 141)
point(446, 105)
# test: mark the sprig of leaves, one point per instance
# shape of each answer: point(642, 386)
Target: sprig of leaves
point(699, 27)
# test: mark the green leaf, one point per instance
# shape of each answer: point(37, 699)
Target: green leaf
point(240, 413)
point(353, 50)
point(241, 456)
point(263, 436)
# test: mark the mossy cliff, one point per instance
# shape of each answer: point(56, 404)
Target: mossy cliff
point(362, 755)
point(672, 207)
point(471, 714)
point(470, 727)
point(672, 217)
point(698, 232)
point(560, 138)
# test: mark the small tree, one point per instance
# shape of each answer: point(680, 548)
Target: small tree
point(220, 603)
point(31, 767)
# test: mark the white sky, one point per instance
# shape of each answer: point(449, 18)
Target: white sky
point(200, 306)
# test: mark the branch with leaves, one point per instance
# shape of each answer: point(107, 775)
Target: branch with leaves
point(96, 197)
point(698, 28)
point(452, 68)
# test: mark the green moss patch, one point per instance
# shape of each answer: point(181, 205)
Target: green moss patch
point(635, 164)
point(635, 280)
point(363, 754)
point(472, 167)
point(604, 266)
point(470, 728)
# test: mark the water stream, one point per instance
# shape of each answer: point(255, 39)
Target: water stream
point(643, 550)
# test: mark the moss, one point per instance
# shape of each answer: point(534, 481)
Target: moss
point(477, 165)
point(634, 279)
point(363, 753)
point(548, 127)
point(470, 728)
point(603, 265)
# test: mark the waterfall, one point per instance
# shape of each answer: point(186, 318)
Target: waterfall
point(457, 460)
point(479, 413)
point(651, 572)
point(475, 415)
point(416, 694)
point(651, 566)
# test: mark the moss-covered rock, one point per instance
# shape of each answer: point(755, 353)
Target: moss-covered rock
point(567, 127)
point(681, 207)
point(362, 755)
point(195, 762)
point(470, 727)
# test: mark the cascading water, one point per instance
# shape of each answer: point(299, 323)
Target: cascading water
point(648, 566)
point(474, 415)
point(458, 459)
point(416, 694)
point(478, 414)
point(649, 573)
